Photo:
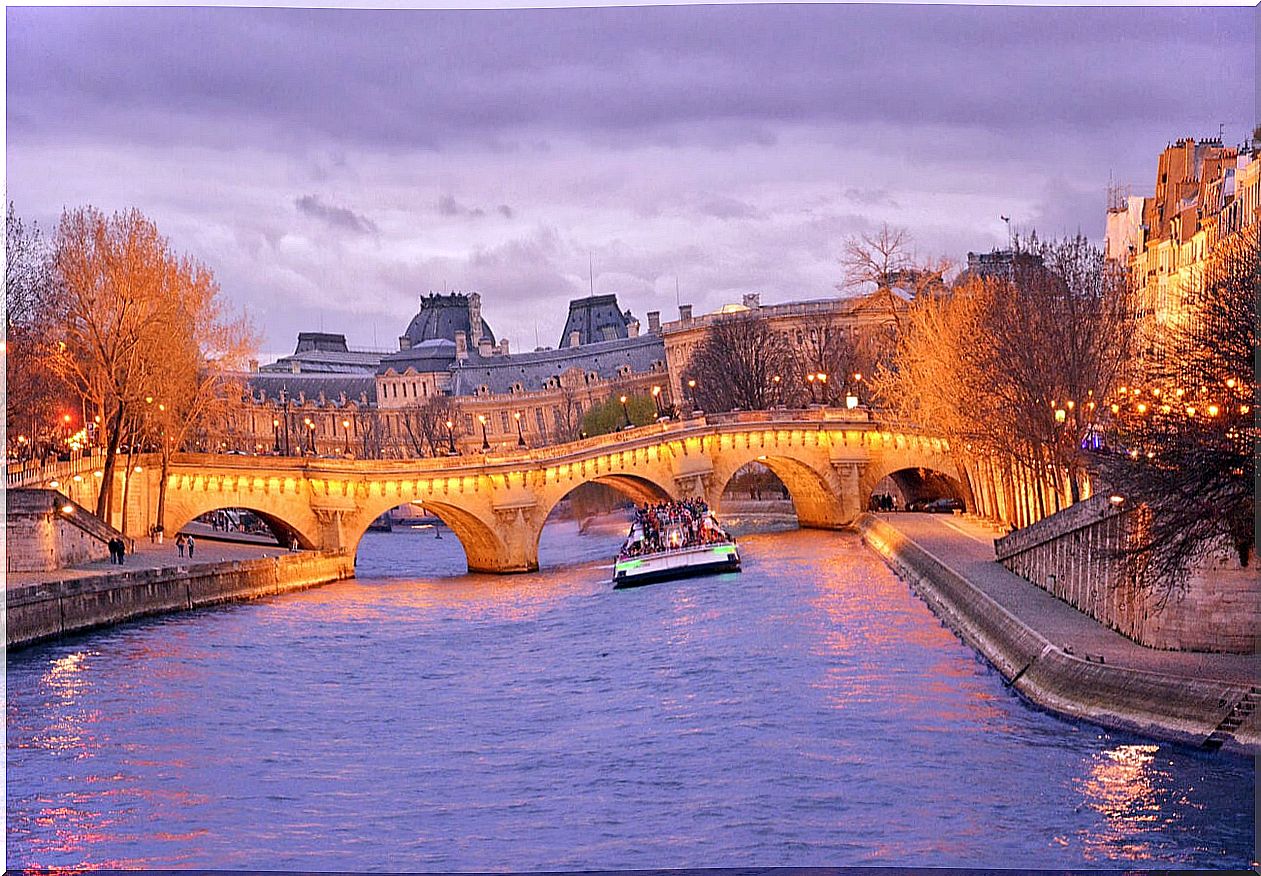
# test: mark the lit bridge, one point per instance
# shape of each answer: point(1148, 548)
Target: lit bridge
point(497, 503)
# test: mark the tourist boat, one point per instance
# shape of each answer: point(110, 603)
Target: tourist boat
point(635, 567)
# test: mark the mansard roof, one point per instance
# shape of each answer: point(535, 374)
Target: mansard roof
point(440, 317)
point(500, 373)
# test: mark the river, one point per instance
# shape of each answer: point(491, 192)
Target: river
point(810, 711)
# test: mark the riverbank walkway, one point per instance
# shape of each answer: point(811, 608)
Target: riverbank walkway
point(966, 546)
point(149, 556)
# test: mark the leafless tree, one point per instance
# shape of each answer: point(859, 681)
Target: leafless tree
point(736, 363)
point(34, 303)
point(884, 260)
point(426, 425)
point(1017, 367)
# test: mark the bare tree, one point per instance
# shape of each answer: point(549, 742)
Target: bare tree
point(426, 425)
point(34, 303)
point(884, 259)
point(1017, 366)
point(737, 362)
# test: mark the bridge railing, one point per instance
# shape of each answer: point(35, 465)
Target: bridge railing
point(31, 473)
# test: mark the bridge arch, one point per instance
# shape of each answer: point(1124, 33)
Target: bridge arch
point(484, 549)
point(639, 488)
point(816, 491)
point(180, 511)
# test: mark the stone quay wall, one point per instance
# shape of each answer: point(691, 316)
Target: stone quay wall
point(46, 611)
point(1077, 555)
point(1182, 709)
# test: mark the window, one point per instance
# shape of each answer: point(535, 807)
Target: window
point(538, 418)
point(468, 424)
point(503, 420)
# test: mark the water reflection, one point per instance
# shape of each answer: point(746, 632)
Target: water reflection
point(808, 711)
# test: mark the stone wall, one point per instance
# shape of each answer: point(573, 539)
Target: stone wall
point(1077, 555)
point(46, 611)
point(45, 531)
point(1186, 710)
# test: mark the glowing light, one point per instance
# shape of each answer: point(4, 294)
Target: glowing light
point(54, 484)
point(66, 419)
point(67, 508)
point(1141, 408)
point(1243, 409)
point(1190, 411)
point(1213, 410)
point(1230, 381)
point(98, 474)
point(1116, 408)
point(1164, 409)
point(1060, 415)
point(1116, 499)
point(1180, 392)
point(77, 478)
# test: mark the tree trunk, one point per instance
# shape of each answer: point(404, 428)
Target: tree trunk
point(111, 454)
point(166, 461)
point(131, 446)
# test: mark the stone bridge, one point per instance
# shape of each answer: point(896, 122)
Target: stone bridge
point(497, 503)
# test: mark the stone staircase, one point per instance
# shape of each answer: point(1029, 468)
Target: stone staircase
point(1246, 705)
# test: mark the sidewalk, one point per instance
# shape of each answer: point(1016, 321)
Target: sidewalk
point(967, 548)
point(148, 556)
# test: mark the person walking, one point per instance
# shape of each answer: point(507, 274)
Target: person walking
point(179, 544)
point(191, 544)
point(113, 551)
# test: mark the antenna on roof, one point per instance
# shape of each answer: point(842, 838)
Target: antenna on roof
point(590, 274)
point(676, 290)
point(536, 334)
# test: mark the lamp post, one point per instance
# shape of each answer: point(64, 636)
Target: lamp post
point(520, 435)
point(814, 396)
point(451, 451)
point(286, 425)
point(275, 431)
point(823, 385)
point(346, 434)
point(656, 399)
point(691, 396)
point(310, 429)
point(625, 412)
point(481, 418)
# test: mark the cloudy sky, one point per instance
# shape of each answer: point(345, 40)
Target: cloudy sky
point(332, 165)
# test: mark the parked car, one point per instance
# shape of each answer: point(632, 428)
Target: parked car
point(944, 506)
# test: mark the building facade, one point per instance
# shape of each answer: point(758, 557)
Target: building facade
point(1204, 193)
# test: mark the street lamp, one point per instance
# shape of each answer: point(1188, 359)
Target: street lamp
point(481, 418)
point(823, 385)
point(656, 399)
point(691, 396)
point(275, 431)
point(346, 434)
point(451, 438)
point(814, 396)
point(520, 435)
point(625, 413)
point(310, 429)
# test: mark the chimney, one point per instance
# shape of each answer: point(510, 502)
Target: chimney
point(404, 342)
point(295, 366)
point(253, 366)
point(685, 313)
point(654, 322)
point(575, 338)
point(461, 346)
point(485, 348)
point(752, 300)
point(632, 329)
point(503, 346)
point(475, 319)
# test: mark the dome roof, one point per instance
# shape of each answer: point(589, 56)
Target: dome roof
point(441, 316)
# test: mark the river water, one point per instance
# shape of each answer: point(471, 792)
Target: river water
point(810, 711)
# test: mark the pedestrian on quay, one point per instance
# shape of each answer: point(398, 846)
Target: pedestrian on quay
point(191, 544)
point(159, 532)
point(179, 544)
point(113, 551)
point(293, 544)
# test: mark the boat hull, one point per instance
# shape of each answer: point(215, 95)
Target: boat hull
point(666, 566)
